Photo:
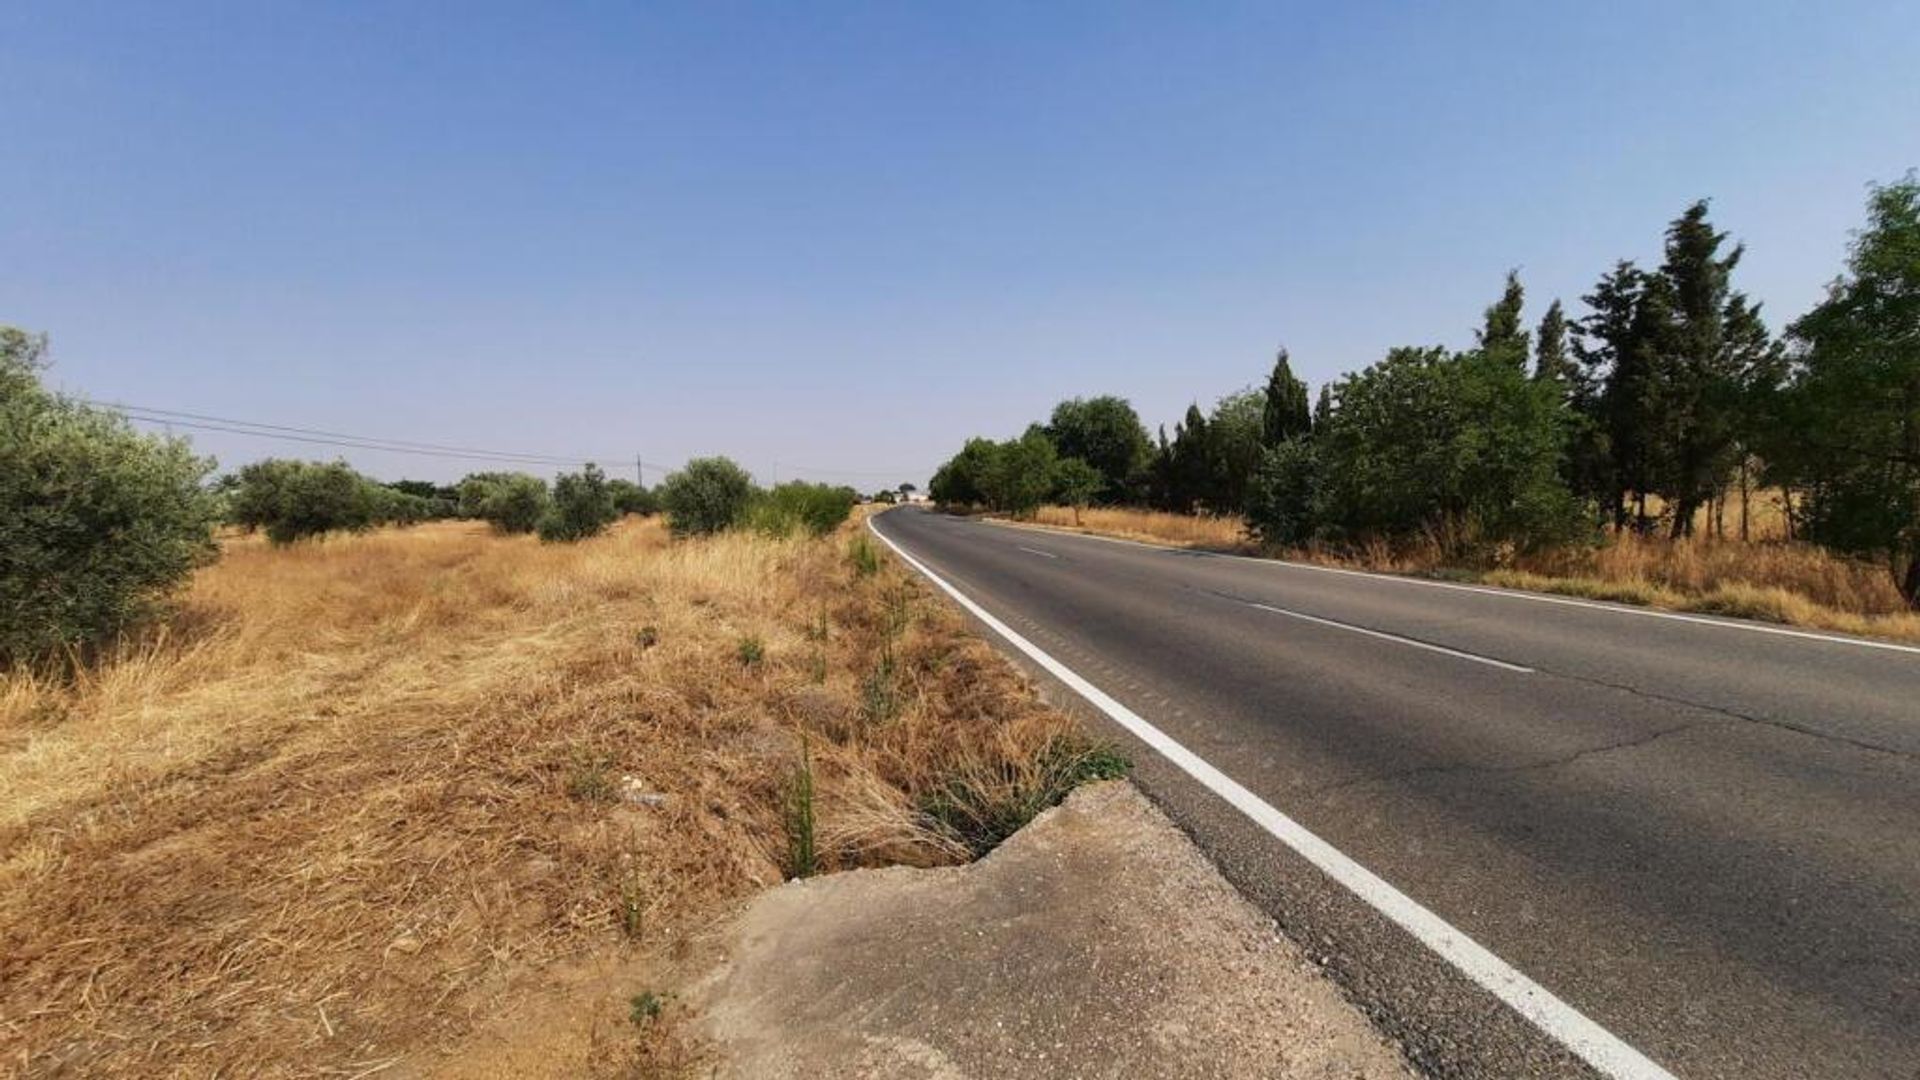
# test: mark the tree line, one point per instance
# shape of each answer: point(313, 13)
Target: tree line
point(1664, 404)
point(101, 523)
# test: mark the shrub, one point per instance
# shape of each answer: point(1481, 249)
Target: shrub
point(708, 495)
point(510, 502)
point(98, 523)
point(582, 506)
point(1280, 500)
point(294, 500)
point(796, 506)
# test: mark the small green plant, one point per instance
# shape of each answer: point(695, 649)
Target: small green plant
point(590, 779)
point(817, 629)
point(880, 690)
point(644, 1007)
point(751, 650)
point(865, 559)
point(802, 859)
point(647, 637)
point(817, 667)
point(899, 612)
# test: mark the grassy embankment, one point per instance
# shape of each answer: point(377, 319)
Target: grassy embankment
point(361, 789)
point(1768, 578)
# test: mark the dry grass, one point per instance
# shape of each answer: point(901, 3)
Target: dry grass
point(1783, 582)
point(363, 786)
point(1225, 532)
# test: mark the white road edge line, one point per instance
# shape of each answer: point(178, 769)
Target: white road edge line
point(1037, 551)
point(1489, 590)
point(1396, 638)
point(1593, 1044)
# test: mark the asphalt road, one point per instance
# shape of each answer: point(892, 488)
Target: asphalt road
point(1701, 836)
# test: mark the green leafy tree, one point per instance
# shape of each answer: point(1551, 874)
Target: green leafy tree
point(394, 507)
point(1285, 415)
point(1107, 434)
point(1076, 484)
point(1851, 412)
point(1236, 434)
point(99, 524)
point(510, 502)
point(299, 500)
point(707, 496)
point(631, 498)
point(960, 481)
point(1462, 447)
point(582, 506)
point(1019, 474)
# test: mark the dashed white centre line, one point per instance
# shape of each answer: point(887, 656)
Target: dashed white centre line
point(1396, 638)
point(1037, 551)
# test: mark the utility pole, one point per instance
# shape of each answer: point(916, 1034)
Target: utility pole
point(639, 471)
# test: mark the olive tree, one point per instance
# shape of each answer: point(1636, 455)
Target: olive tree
point(99, 523)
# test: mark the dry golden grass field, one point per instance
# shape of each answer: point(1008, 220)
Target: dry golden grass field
point(363, 790)
point(1767, 578)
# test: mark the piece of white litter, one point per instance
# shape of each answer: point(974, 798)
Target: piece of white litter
point(635, 792)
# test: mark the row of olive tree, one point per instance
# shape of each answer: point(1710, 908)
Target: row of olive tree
point(294, 500)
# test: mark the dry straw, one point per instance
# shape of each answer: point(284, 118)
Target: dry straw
point(362, 785)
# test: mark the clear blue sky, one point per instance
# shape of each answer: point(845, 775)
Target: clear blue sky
point(848, 236)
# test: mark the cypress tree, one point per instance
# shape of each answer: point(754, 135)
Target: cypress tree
point(1610, 348)
point(1551, 360)
point(1286, 415)
point(1502, 336)
point(1713, 342)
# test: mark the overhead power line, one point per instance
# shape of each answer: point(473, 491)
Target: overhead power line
point(498, 459)
point(148, 414)
point(366, 442)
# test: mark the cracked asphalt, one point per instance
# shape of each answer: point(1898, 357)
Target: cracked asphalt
point(1705, 838)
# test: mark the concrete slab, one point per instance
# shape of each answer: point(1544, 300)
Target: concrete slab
point(1097, 942)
